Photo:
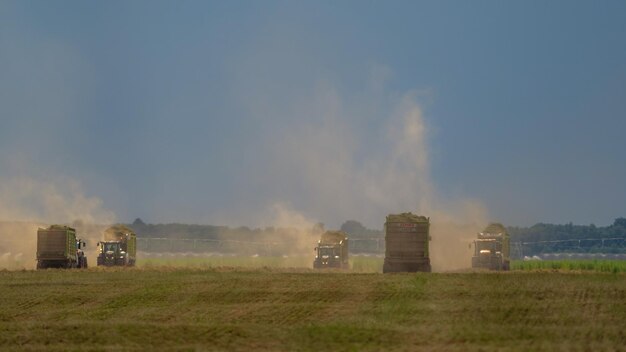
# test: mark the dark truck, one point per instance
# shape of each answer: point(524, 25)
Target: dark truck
point(406, 243)
point(57, 247)
point(119, 247)
point(492, 248)
point(332, 251)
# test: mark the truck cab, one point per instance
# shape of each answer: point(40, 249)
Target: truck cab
point(332, 251)
point(328, 256)
point(80, 254)
point(487, 254)
point(492, 248)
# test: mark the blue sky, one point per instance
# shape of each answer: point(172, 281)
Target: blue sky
point(214, 112)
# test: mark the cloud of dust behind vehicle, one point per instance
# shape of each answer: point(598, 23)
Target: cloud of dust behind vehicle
point(328, 168)
point(27, 203)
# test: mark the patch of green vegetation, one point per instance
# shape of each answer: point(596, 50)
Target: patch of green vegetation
point(366, 264)
point(604, 266)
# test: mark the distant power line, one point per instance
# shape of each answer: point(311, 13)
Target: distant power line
point(579, 241)
point(518, 248)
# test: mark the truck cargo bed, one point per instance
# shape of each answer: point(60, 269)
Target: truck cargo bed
point(52, 244)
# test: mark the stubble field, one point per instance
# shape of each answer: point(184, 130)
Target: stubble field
point(208, 308)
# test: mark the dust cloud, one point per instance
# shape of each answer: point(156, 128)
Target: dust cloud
point(27, 203)
point(327, 164)
point(304, 232)
point(323, 165)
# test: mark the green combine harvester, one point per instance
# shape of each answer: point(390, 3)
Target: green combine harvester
point(492, 248)
point(57, 247)
point(119, 247)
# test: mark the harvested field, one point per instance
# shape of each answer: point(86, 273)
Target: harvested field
point(359, 264)
point(169, 308)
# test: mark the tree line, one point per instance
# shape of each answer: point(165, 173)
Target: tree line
point(536, 239)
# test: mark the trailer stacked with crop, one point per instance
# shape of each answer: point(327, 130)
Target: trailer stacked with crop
point(57, 247)
point(406, 243)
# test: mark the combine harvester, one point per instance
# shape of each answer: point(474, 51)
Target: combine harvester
point(57, 247)
point(332, 251)
point(492, 249)
point(406, 242)
point(119, 247)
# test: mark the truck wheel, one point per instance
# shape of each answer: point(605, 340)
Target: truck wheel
point(427, 268)
point(388, 268)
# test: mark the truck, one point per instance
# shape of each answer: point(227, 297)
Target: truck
point(119, 247)
point(407, 237)
point(332, 251)
point(58, 247)
point(492, 248)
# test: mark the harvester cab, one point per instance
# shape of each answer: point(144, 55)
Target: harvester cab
point(111, 253)
point(119, 246)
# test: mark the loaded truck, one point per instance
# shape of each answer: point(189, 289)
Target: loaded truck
point(119, 247)
point(332, 250)
point(492, 248)
point(57, 247)
point(406, 243)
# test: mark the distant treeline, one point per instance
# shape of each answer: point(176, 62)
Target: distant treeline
point(571, 238)
point(211, 232)
point(535, 239)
